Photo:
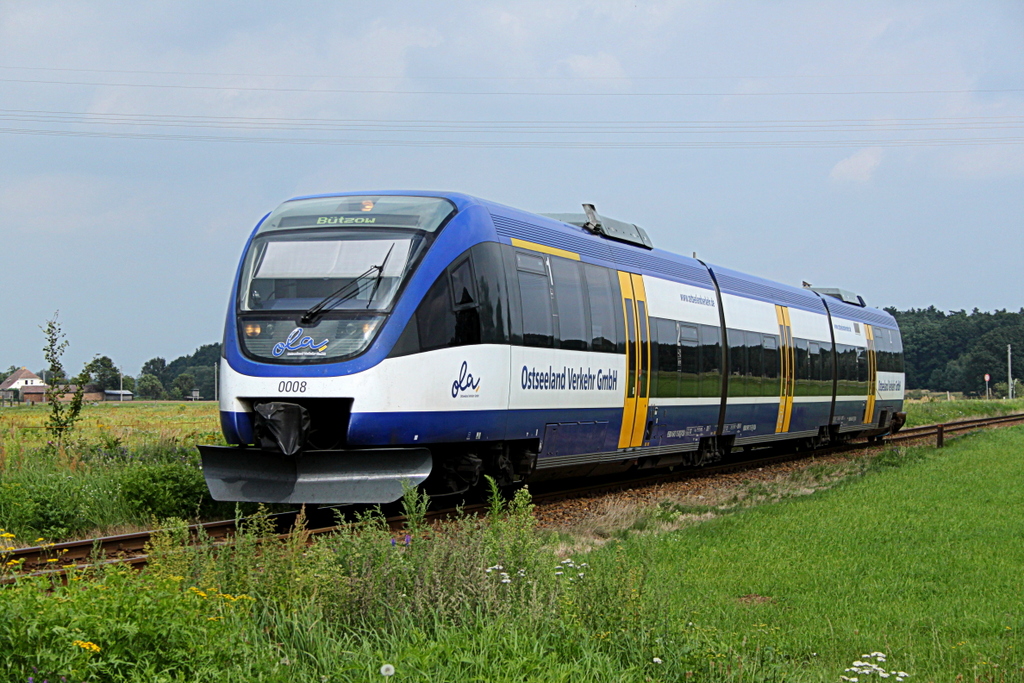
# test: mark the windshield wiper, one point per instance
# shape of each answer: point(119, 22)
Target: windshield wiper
point(344, 293)
point(380, 274)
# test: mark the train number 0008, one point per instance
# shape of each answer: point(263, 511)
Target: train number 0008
point(291, 387)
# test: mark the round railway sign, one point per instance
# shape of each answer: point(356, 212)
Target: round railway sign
point(987, 377)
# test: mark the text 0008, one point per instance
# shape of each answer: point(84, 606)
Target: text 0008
point(291, 387)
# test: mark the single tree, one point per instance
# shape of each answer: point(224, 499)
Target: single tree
point(62, 415)
point(183, 385)
point(101, 371)
point(156, 367)
point(150, 387)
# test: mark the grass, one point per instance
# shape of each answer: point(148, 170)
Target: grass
point(122, 465)
point(921, 560)
point(916, 554)
point(125, 464)
point(936, 411)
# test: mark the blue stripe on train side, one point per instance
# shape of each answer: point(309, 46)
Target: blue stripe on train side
point(810, 415)
point(682, 425)
point(380, 429)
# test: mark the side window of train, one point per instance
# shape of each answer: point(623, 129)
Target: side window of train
point(847, 361)
point(814, 366)
point(607, 330)
point(689, 360)
point(755, 364)
point(435, 318)
point(535, 295)
point(827, 369)
point(772, 367)
point(467, 304)
point(737, 362)
point(710, 361)
point(862, 367)
point(667, 357)
point(570, 304)
point(491, 293)
point(883, 343)
point(802, 368)
point(463, 286)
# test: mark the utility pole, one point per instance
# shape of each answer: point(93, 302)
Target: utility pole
point(1009, 371)
point(120, 393)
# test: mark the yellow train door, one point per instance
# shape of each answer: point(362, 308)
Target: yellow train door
point(869, 411)
point(787, 371)
point(638, 360)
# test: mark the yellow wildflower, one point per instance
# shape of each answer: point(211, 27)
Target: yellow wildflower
point(86, 645)
point(53, 559)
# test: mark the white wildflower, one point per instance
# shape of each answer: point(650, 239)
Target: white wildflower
point(656, 660)
point(387, 670)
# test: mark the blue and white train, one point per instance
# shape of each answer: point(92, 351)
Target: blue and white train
point(380, 340)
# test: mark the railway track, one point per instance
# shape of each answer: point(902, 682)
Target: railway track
point(58, 559)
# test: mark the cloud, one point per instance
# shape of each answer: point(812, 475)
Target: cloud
point(859, 167)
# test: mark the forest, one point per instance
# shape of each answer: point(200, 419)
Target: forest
point(953, 351)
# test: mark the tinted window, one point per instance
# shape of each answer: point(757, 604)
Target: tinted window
point(605, 309)
point(755, 363)
point(530, 263)
point(434, 316)
point(772, 366)
point(668, 358)
point(463, 287)
point(467, 304)
point(802, 368)
point(710, 361)
point(490, 292)
point(689, 360)
point(570, 299)
point(737, 363)
point(538, 327)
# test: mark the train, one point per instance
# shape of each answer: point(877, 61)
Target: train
point(379, 341)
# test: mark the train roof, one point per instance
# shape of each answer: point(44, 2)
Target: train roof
point(510, 222)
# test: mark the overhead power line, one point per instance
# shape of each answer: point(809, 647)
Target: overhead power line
point(523, 93)
point(515, 127)
point(413, 77)
point(525, 144)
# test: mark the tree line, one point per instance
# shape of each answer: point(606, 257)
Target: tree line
point(157, 380)
point(953, 351)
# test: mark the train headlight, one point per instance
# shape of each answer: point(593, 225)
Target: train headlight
point(253, 329)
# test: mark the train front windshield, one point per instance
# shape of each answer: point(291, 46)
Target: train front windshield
point(321, 274)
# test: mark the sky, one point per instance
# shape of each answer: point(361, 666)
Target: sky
point(873, 146)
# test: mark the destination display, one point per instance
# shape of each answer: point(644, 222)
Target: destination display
point(384, 220)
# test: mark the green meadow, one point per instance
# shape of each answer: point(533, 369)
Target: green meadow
point(916, 556)
point(125, 464)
